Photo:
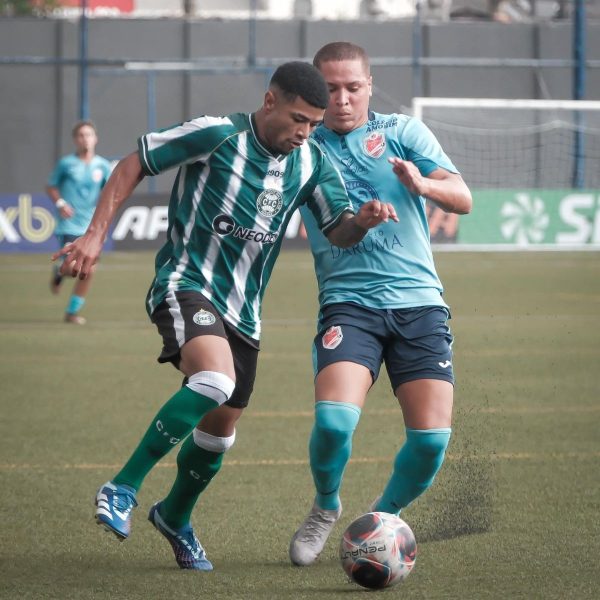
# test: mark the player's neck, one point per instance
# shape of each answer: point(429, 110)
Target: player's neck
point(330, 124)
point(258, 128)
point(86, 155)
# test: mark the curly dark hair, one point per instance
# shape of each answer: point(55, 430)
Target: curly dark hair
point(298, 78)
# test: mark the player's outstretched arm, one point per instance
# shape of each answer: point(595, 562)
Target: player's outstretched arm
point(353, 228)
point(83, 253)
point(66, 210)
point(447, 190)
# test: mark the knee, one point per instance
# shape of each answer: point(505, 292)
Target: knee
point(336, 419)
point(212, 384)
point(429, 443)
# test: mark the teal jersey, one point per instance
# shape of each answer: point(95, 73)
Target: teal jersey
point(79, 183)
point(229, 208)
point(392, 267)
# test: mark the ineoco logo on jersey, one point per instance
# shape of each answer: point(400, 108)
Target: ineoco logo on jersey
point(225, 225)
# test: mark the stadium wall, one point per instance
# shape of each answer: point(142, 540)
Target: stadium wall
point(39, 102)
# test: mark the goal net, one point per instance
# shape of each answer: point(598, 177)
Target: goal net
point(533, 167)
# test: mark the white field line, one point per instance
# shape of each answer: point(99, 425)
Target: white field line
point(384, 412)
point(533, 456)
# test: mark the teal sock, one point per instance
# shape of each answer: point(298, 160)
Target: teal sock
point(330, 447)
point(195, 469)
point(75, 304)
point(174, 421)
point(415, 467)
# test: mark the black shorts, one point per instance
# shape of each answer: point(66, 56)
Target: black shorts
point(414, 343)
point(186, 315)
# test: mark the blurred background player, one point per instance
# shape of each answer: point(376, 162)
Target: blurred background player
point(240, 179)
point(380, 301)
point(74, 187)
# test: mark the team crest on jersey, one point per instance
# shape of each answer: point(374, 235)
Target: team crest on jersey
point(360, 191)
point(269, 203)
point(97, 175)
point(203, 317)
point(374, 144)
point(332, 338)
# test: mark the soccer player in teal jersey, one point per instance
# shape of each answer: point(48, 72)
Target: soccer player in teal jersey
point(381, 300)
point(240, 179)
point(74, 187)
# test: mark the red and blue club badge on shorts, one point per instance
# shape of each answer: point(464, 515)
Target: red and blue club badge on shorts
point(332, 338)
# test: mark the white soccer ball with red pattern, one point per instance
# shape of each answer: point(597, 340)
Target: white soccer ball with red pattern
point(378, 550)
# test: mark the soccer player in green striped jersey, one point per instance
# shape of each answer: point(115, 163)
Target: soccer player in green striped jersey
point(240, 179)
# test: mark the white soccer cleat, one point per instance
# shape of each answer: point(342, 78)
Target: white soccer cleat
point(75, 319)
point(308, 542)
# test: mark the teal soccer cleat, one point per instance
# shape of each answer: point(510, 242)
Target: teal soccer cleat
point(114, 504)
point(189, 553)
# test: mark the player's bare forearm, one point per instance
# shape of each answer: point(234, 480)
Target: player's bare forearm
point(450, 193)
point(123, 180)
point(353, 228)
point(447, 190)
point(348, 233)
point(82, 254)
point(64, 208)
point(53, 193)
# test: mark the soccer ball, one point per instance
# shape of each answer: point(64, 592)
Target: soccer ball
point(378, 550)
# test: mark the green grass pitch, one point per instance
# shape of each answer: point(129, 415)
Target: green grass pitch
point(514, 513)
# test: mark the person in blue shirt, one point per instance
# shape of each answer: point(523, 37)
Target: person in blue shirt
point(74, 187)
point(380, 300)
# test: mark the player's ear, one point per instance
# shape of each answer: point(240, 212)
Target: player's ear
point(370, 80)
point(269, 102)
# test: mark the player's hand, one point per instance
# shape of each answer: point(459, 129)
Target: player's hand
point(80, 256)
point(409, 176)
point(67, 211)
point(373, 212)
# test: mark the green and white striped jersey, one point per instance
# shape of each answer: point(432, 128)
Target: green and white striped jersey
point(229, 209)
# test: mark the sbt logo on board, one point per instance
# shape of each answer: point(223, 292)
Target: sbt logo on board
point(22, 222)
point(533, 216)
point(582, 213)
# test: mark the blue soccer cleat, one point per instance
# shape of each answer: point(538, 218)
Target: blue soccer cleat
point(189, 553)
point(114, 504)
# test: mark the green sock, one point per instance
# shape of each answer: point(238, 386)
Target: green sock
point(195, 469)
point(174, 421)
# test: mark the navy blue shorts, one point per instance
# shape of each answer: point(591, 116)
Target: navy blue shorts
point(414, 343)
point(64, 238)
